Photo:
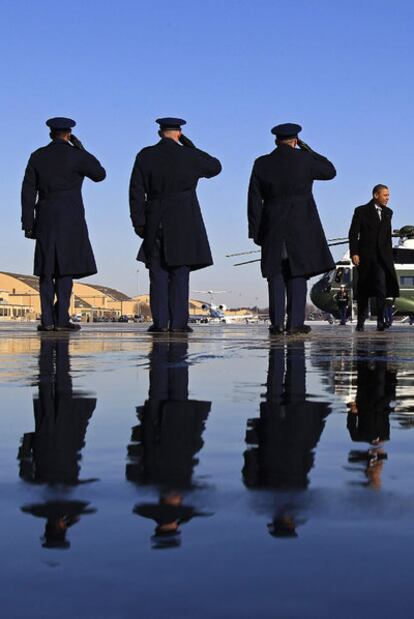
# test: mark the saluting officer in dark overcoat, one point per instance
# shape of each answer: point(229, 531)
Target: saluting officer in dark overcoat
point(284, 221)
point(370, 246)
point(54, 215)
point(165, 212)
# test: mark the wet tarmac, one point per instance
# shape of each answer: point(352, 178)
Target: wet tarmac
point(218, 475)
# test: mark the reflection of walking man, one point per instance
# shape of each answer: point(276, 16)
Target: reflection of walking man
point(368, 417)
point(370, 245)
point(54, 215)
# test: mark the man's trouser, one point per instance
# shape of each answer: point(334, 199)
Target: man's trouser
point(343, 311)
point(285, 288)
point(169, 291)
point(379, 275)
point(55, 313)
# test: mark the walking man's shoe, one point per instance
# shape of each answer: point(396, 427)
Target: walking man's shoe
point(45, 327)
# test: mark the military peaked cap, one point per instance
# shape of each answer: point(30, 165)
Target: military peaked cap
point(286, 131)
point(170, 123)
point(60, 123)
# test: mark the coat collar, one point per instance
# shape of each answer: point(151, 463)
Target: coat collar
point(168, 141)
point(373, 215)
point(59, 141)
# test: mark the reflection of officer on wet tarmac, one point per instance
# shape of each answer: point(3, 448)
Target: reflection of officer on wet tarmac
point(163, 447)
point(166, 214)
point(368, 416)
point(283, 438)
point(51, 454)
point(54, 215)
point(284, 221)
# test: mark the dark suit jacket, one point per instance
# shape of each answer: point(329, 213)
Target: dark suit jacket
point(370, 239)
point(282, 211)
point(52, 206)
point(163, 199)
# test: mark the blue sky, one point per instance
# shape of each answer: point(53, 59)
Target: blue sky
point(233, 69)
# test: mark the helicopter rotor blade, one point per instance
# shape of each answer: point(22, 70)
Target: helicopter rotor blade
point(243, 253)
point(239, 264)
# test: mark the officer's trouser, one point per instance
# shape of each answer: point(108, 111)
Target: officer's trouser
point(169, 291)
point(378, 272)
point(283, 287)
point(55, 313)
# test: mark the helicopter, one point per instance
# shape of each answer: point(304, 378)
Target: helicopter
point(323, 292)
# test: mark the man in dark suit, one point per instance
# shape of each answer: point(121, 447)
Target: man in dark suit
point(54, 215)
point(370, 245)
point(284, 221)
point(166, 214)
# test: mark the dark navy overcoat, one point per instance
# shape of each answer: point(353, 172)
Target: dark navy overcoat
point(283, 215)
point(371, 239)
point(52, 207)
point(163, 200)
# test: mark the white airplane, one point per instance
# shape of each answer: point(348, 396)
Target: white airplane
point(217, 312)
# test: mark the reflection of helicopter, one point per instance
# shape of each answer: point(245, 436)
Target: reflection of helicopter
point(323, 292)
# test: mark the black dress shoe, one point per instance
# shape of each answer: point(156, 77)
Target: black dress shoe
point(186, 329)
point(275, 330)
point(303, 330)
point(359, 327)
point(45, 327)
point(71, 326)
point(155, 329)
point(380, 326)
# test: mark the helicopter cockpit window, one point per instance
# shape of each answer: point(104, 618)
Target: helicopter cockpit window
point(343, 275)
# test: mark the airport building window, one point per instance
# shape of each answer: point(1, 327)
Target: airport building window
point(407, 280)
